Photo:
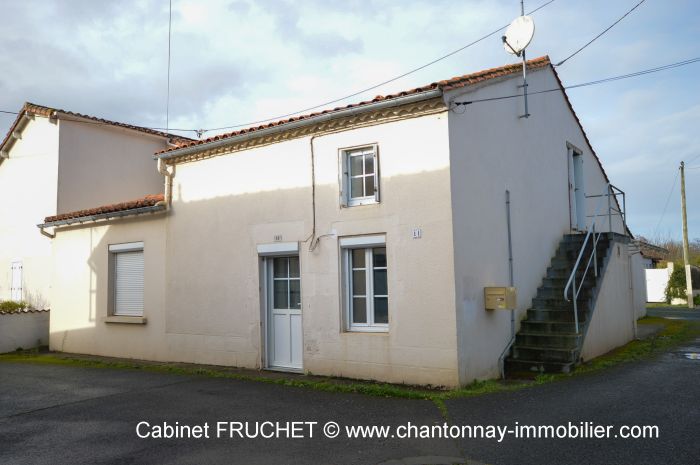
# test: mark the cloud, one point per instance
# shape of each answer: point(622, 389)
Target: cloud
point(235, 61)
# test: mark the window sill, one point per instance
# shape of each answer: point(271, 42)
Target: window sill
point(368, 330)
point(360, 203)
point(134, 320)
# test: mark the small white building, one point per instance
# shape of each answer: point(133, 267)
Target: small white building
point(359, 242)
point(55, 161)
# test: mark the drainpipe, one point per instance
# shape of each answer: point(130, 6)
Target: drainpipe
point(168, 175)
point(312, 237)
point(47, 234)
point(502, 358)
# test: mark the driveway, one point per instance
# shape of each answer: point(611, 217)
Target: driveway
point(69, 415)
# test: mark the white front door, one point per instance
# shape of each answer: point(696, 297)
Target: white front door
point(284, 332)
point(578, 193)
point(16, 285)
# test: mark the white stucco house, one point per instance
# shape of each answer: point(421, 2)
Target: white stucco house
point(55, 161)
point(359, 241)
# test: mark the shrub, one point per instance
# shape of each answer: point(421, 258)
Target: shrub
point(676, 283)
point(11, 306)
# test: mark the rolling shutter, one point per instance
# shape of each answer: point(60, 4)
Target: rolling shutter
point(128, 283)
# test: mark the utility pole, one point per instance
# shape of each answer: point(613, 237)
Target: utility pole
point(686, 251)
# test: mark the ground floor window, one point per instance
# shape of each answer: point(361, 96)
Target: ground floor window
point(126, 280)
point(367, 294)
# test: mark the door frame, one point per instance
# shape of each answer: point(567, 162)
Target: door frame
point(574, 157)
point(267, 253)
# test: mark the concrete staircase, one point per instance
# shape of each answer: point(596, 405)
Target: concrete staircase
point(547, 341)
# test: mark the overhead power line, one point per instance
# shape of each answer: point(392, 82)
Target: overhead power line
point(469, 102)
point(589, 83)
point(663, 213)
point(375, 86)
point(599, 35)
point(330, 102)
point(167, 100)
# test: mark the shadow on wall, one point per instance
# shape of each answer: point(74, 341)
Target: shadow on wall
point(203, 288)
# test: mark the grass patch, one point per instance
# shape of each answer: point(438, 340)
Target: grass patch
point(675, 333)
point(665, 305)
point(11, 306)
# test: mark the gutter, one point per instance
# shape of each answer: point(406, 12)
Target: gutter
point(168, 174)
point(102, 216)
point(395, 102)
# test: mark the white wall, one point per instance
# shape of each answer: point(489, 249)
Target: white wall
point(24, 330)
point(80, 291)
point(493, 150)
point(639, 284)
point(614, 318)
point(225, 206)
point(103, 164)
point(203, 300)
point(656, 281)
point(28, 194)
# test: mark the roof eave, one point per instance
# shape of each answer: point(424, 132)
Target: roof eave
point(395, 102)
point(104, 216)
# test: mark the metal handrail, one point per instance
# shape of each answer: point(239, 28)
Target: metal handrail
point(610, 192)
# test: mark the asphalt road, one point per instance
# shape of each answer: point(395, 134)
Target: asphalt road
point(674, 313)
point(68, 415)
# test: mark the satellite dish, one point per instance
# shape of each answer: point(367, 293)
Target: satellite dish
point(519, 35)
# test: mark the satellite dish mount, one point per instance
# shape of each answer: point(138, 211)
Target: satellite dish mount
point(516, 39)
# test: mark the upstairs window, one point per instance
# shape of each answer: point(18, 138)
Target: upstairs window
point(360, 176)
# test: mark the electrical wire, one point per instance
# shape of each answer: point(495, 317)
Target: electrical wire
point(599, 35)
point(469, 102)
point(589, 83)
point(320, 105)
point(167, 101)
point(375, 86)
point(663, 213)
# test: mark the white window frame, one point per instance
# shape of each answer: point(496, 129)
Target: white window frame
point(346, 191)
point(114, 250)
point(17, 288)
point(366, 243)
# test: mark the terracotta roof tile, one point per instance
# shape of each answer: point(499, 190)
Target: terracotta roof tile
point(447, 84)
point(40, 110)
point(147, 201)
point(26, 310)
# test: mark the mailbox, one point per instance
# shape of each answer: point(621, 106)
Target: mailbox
point(500, 298)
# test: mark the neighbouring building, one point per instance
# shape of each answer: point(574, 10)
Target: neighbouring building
point(359, 242)
point(54, 161)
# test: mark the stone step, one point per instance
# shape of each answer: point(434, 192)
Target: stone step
point(560, 282)
point(548, 326)
point(547, 340)
point(550, 314)
point(536, 366)
point(543, 355)
point(549, 292)
point(558, 303)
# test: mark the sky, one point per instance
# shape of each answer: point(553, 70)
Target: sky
point(239, 61)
